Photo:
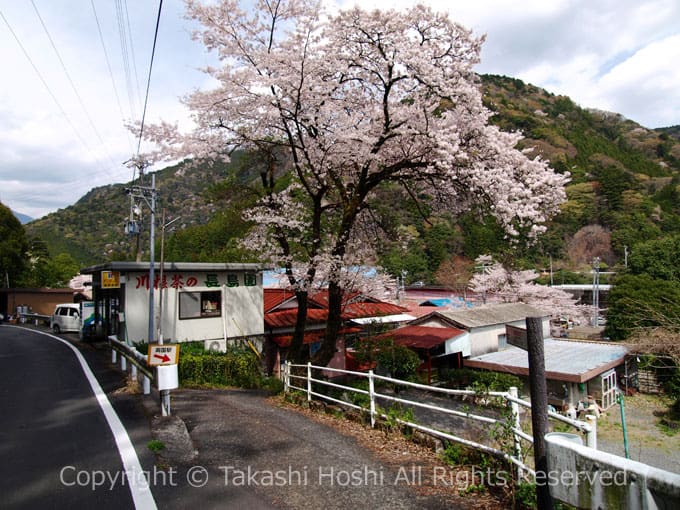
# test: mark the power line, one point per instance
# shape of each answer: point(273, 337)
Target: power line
point(122, 36)
point(49, 90)
point(73, 86)
point(148, 81)
point(132, 50)
point(108, 65)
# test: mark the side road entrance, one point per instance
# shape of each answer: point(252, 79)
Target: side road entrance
point(243, 439)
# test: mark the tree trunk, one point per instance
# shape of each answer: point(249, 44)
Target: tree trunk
point(333, 324)
point(297, 352)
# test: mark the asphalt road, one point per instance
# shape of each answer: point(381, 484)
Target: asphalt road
point(237, 450)
point(56, 443)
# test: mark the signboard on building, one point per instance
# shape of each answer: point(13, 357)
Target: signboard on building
point(110, 279)
point(165, 354)
point(516, 336)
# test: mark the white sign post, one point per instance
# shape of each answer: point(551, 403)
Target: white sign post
point(165, 357)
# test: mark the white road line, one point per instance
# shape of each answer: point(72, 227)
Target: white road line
point(139, 487)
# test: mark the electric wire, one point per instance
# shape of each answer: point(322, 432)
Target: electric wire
point(122, 36)
point(108, 65)
point(50, 92)
point(148, 81)
point(132, 51)
point(73, 86)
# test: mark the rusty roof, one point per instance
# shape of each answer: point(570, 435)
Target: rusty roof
point(422, 337)
point(489, 315)
point(274, 298)
point(355, 306)
point(565, 360)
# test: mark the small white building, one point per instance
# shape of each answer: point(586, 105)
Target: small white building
point(211, 302)
point(484, 326)
point(574, 370)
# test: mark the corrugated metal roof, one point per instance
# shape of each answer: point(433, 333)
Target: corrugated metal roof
point(422, 337)
point(370, 309)
point(490, 315)
point(384, 319)
point(564, 360)
point(288, 318)
point(276, 297)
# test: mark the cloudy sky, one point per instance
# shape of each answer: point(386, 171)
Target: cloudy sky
point(71, 81)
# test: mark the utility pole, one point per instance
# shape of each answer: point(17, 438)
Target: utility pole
point(149, 194)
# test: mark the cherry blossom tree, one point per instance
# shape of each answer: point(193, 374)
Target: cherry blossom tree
point(495, 281)
point(339, 104)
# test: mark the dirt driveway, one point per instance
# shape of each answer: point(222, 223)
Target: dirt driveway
point(647, 442)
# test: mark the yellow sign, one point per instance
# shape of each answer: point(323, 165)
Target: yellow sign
point(110, 279)
point(165, 354)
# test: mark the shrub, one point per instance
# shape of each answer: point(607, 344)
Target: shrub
point(480, 380)
point(237, 367)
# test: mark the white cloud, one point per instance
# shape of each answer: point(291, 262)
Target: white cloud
point(619, 55)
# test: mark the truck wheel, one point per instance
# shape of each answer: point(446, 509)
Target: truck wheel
point(56, 329)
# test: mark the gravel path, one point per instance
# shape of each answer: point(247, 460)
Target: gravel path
point(291, 460)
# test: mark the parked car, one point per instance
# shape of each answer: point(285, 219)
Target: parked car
point(66, 318)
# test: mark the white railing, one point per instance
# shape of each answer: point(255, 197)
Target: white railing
point(304, 383)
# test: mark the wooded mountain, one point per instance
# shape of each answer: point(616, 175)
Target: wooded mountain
point(625, 189)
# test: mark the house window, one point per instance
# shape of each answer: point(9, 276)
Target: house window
point(196, 305)
point(250, 279)
point(232, 280)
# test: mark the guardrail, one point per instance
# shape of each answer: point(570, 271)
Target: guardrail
point(138, 362)
point(36, 318)
point(511, 397)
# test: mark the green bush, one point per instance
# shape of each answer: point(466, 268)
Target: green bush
point(480, 380)
point(236, 367)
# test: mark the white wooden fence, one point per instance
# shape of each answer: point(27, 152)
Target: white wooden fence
point(304, 383)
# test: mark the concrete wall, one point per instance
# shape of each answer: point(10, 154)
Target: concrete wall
point(40, 301)
point(241, 315)
point(587, 478)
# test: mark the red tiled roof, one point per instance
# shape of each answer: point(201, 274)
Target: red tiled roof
point(310, 337)
point(356, 306)
point(370, 309)
point(285, 340)
point(421, 337)
point(276, 297)
point(287, 318)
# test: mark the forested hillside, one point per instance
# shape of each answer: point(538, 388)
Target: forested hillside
point(624, 190)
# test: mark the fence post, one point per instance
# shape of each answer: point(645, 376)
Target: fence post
point(123, 363)
point(309, 381)
point(146, 385)
point(591, 435)
point(517, 446)
point(133, 371)
point(284, 377)
point(114, 356)
point(371, 396)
